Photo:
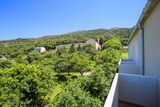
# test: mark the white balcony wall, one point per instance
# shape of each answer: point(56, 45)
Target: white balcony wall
point(137, 89)
point(129, 67)
point(112, 99)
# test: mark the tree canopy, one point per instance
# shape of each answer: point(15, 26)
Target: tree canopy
point(30, 78)
point(25, 85)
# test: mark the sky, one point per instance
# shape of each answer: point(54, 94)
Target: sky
point(37, 18)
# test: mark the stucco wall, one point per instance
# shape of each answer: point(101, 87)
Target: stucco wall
point(138, 89)
point(40, 49)
point(91, 41)
point(129, 69)
point(152, 44)
point(134, 54)
point(98, 47)
point(94, 43)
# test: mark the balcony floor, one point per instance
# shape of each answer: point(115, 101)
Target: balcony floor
point(127, 104)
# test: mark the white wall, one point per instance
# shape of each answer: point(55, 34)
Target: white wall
point(138, 89)
point(152, 44)
point(112, 98)
point(129, 69)
point(134, 49)
point(40, 49)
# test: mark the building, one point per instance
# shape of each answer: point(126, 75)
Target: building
point(138, 82)
point(68, 45)
point(40, 49)
point(94, 43)
point(90, 41)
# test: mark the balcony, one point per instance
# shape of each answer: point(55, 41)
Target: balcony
point(129, 90)
point(129, 67)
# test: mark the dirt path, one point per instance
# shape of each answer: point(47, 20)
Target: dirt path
point(85, 73)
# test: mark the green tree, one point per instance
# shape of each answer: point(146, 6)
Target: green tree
point(74, 96)
point(89, 48)
point(49, 54)
point(113, 43)
point(48, 59)
point(98, 84)
point(6, 64)
point(63, 63)
point(20, 60)
point(109, 59)
point(48, 63)
point(79, 48)
point(81, 62)
point(72, 48)
point(25, 85)
point(33, 56)
point(61, 50)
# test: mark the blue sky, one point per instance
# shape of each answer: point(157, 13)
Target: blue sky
point(36, 18)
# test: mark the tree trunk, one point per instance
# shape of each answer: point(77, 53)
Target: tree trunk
point(81, 73)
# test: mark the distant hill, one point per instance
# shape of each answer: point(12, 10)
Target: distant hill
point(12, 48)
point(122, 33)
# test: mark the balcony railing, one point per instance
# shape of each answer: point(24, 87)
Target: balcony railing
point(112, 99)
point(129, 67)
point(133, 89)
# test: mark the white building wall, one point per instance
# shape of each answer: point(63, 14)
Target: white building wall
point(152, 44)
point(94, 43)
point(138, 89)
point(134, 49)
point(40, 49)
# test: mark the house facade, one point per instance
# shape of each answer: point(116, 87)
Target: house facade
point(40, 49)
point(94, 43)
point(138, 80)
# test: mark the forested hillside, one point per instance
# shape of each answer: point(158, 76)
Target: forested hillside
point(77, 76)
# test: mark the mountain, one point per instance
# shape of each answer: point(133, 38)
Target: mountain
point(25, 45)
point(122, 33)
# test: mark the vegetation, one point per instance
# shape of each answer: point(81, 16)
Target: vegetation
point(25, 85)
point(124, 55)
point(30, 78)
